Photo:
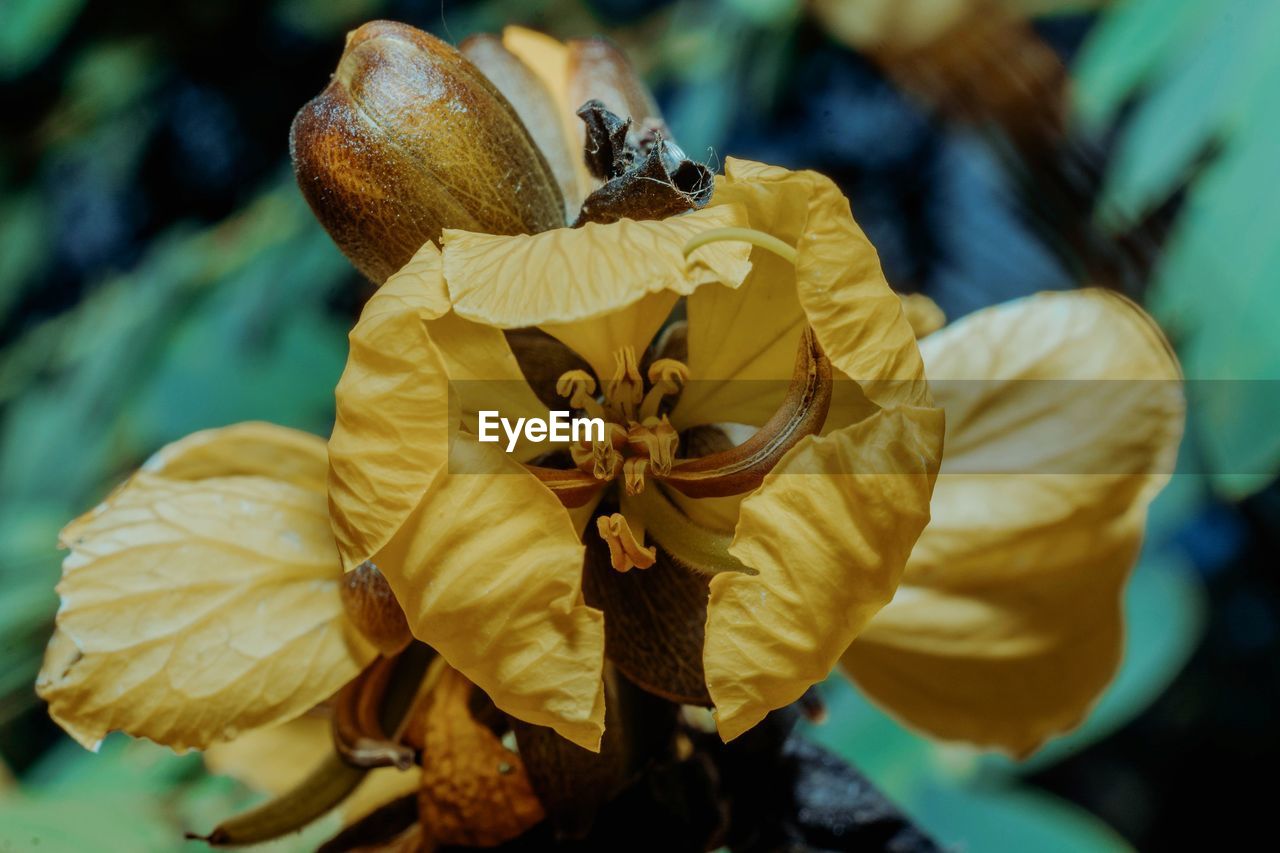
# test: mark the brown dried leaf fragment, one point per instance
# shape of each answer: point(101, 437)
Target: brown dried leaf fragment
point(646, 175)
point(475, 791)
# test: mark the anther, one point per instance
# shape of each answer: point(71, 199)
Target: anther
point(625, 551)
point(656, 439)
point(666, 376)
point(601, 459)
point(633, 471)
point(579, 387)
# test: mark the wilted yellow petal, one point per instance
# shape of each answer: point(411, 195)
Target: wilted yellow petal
point(858, 318)
point(569, 279)
point(489, 571)
point(922, 313)
point(742, 343)
point(482, 557)
point(394, 411)
point(275, 759)
point(253, 448)
point(200, 609)
point(836, 286)
point(1007, 625)
point(828, 533)
point(484, 374)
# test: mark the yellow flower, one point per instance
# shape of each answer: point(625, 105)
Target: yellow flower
point(755, 515)
point(485, 560)
point(487, 567)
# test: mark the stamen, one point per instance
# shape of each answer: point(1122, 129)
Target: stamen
point(633, 471)
point(668, 370)
point(626, 389)
point(580, 387)
point(601, 459)
point(657, 440)
point(744, 235)
point(625, 551)
point(667, 376)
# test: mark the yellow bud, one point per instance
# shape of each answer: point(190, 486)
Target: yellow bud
point(408, 139)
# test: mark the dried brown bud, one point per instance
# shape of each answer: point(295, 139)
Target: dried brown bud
point(410, 138)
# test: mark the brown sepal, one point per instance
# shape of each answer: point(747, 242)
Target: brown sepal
point(574, 783)
point(655, 622)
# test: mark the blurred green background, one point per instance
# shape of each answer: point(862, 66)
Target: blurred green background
point(160, 273)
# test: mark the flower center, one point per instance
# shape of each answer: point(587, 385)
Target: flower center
point(640, 444)
point(638, 441)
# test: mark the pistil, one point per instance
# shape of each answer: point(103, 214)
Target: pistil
point(625, 391)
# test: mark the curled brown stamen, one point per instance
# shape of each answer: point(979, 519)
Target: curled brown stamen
point(357, 731)
point(742, 468)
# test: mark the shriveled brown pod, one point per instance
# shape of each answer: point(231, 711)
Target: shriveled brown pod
point(409, 138)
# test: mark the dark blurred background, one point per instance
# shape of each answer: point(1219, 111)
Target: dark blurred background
point(159, 273)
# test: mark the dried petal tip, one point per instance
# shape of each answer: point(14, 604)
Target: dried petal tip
point(408, 139)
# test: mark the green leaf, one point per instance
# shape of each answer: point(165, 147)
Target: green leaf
point(111, 823)
point(31, 29)
point(130, 796)
point(1209, 72)
point(1134, 38)
point(1004, 819)
point(21, 246)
